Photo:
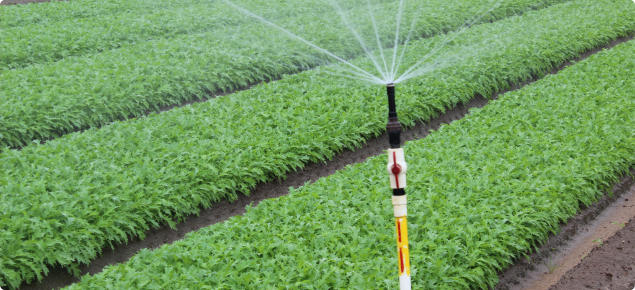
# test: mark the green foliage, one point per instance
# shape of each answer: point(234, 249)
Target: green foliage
point(141, 59)
point(63, 201)
point(21, 15)
point(47, 33)
point(482, 191)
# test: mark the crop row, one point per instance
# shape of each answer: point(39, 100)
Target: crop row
point(21, 15)
point(65, 13)
point(482, 191)
point(37, 43)
point(26, 45)
point(65, 200)
point(45, 101)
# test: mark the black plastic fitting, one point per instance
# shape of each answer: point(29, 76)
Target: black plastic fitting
point(394, 127)
point(398, 191)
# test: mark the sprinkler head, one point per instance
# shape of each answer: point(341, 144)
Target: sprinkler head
point(394, 127)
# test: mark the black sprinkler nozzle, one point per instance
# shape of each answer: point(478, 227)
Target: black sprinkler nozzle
point(394, 127)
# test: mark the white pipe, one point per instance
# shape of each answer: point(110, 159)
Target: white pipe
point(399, 203)
point(404, 282)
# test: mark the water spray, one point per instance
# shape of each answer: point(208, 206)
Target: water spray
point(397, 170)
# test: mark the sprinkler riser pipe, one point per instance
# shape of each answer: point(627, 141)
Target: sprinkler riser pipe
point(397, 169)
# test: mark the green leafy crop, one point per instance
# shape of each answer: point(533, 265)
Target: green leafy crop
point(482, 192)
point(48, 34)
point(63, 201)
point(87, 72)
point(22, 15)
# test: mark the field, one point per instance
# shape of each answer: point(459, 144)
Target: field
point(87, 164)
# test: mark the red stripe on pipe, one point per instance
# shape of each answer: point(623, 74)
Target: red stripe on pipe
point(399, 230)
point(401, 261)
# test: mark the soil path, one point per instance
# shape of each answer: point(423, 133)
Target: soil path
point(610, 266)
point(59, 277)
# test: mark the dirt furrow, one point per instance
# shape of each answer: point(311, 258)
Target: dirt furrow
point(610, 266)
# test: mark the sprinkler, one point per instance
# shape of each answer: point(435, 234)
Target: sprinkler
point(397, 170)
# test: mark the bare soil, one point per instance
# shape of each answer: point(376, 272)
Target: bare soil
point(610, 266)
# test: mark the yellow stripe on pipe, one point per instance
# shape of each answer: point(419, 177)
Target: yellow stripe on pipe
point(402, 245)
